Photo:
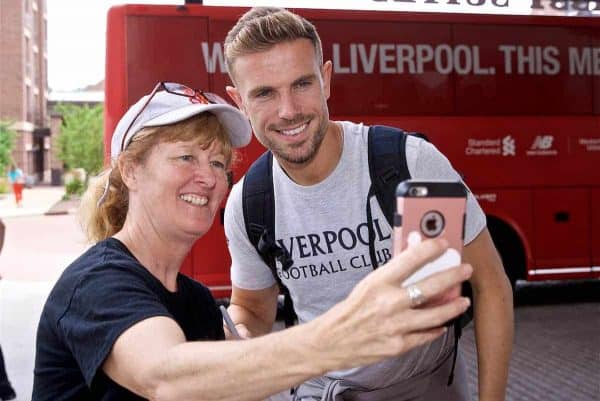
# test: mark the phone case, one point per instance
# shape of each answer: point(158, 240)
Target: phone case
point(430, 209)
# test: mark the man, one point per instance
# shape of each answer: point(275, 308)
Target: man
point(321, 183)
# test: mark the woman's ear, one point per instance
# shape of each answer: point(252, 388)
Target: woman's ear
point(128, 170)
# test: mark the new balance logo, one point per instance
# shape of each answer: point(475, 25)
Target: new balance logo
point(543, 145)
point(542, 142)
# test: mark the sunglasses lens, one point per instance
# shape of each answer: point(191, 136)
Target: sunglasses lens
point(198, 96)
point(214, 98)
point(178, 89)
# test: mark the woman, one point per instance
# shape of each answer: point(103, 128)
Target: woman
point(123, 324)
point(17, 180)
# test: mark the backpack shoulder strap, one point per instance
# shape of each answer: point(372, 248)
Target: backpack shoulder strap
point(258, 206)
point(387, 165)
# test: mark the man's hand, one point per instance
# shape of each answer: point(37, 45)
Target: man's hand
point(242, 330)
point(254, 311)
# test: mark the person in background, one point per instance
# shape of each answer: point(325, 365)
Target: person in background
point(2, 234)
point(17, 180)
point(122, 323)
point(6, 390)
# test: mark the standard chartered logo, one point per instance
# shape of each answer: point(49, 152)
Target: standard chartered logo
point(508, 146)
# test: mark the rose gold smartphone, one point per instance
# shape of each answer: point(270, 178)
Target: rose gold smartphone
point(430, 209)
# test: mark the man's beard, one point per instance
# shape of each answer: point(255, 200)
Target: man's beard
point(288, 155)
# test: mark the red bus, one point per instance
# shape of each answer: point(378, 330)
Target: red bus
point(512, 101)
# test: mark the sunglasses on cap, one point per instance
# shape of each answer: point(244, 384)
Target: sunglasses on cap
point(195, 96)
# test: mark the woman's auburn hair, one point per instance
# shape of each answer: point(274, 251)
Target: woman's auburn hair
point(105, 220)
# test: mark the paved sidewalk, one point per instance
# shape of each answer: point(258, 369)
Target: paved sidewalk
point(21, 304)
point(37, 201)
point(36, 251)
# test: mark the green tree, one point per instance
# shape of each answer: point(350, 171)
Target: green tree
point(7, 143)
point(80, 141)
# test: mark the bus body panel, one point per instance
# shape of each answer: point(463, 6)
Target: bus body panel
point(595, 223)
point(563, 233)
point(169, 55)
point(514, 208)
point(512, 101)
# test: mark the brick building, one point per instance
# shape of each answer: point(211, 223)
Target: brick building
point(24, 84)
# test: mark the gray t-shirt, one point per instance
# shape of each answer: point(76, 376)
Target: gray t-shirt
point(324, 228)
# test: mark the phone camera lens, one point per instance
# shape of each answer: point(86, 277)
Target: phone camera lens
point(432, 224)
point(418, 191)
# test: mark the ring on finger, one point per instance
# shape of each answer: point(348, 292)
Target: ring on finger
point(415, 295)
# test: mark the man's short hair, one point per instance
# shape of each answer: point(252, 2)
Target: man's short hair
point(261, 28)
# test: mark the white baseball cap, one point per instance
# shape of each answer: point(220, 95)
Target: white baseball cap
point(170, 103)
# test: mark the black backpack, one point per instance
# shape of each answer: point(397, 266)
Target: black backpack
point(387, 168)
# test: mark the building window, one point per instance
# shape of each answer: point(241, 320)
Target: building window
point(35, 23)
point(38, 118)
point(28, 108)
point(28, 61)
point(27, 49)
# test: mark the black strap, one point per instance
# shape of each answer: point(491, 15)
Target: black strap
point(387, 165)
point(258, 205)
point(372, 238)
point(387, 168)
point(457, 334)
